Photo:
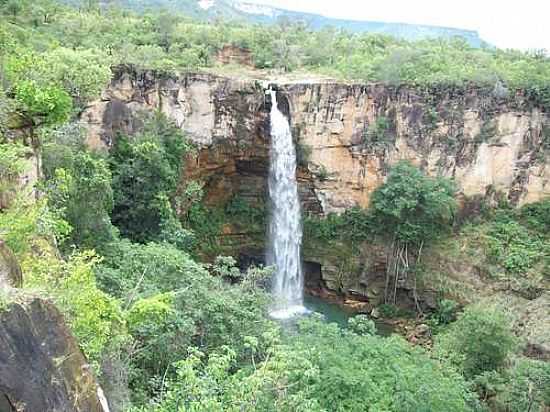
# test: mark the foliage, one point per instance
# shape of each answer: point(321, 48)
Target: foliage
point(95, 317)
point(390, 311)
point(42, 105)
point(446, 311)
point(243, 212)
point(146, 170)
point(354, 224)
point(412, 207)
point(26, 224)
point(526, 386)
point(174, 303)
point(76, 178)
point(203, 383)
point(197, 336)
point(207, 222)
point(377, 134)
point(88, 42)
point(362, 325)
point(513, 246)
point(321, 368)
point(384, 373)
point(537, 215)
point(12, 164)
point(479, 341)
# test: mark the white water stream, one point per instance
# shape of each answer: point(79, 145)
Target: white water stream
point(285, 228)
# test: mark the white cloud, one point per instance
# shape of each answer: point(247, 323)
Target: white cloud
point(507, 24)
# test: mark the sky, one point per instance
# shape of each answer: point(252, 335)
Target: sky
point(515, 24)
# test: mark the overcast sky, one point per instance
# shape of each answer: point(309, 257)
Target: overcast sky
point(521, 24)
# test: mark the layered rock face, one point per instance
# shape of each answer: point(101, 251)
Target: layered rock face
point(41, 367)
point(484, 142)
point(349, 134)
point(492, 142)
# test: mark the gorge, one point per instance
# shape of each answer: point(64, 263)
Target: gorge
point(209, 214)
point(493, 146)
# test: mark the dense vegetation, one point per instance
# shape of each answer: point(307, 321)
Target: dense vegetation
point(82, 45)
point(103, 237)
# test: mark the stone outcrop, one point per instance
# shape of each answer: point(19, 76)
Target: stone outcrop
point(41, 367)
point(235, 55)
point(347, 137)
point(10, 271)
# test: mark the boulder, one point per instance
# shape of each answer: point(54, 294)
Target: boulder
point(41, 366)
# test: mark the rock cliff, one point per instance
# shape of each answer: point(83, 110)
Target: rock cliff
point(494, 143)
point(348, 134)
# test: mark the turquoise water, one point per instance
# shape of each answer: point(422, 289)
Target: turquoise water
point(331, 311)
point(334, 312)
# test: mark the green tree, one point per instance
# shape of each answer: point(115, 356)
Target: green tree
point(479, 341)
point(526, 387)
point(146, 170)
point(76, 178)
point(408, 210)
point(174, 303)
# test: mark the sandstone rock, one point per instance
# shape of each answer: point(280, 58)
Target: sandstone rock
point(41, 367)
point(358, 306)
point(227, 118)
point(10, 271)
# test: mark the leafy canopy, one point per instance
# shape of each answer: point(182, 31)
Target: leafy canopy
point(412, 207)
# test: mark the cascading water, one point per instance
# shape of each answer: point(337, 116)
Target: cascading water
point(285, 228)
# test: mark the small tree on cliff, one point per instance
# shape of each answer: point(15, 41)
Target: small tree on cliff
point(407, 211)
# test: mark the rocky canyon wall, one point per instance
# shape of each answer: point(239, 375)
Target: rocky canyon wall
point(348, 134)
point(494, 143)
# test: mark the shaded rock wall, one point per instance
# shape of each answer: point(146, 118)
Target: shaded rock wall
point(41, 366)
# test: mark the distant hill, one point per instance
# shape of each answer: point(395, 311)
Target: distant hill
point(241, 10)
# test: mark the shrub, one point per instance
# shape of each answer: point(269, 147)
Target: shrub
point(377, 135)
point(511, 245)
point(446, 311)
point(12, 163)
point(95, 317)
point(362, 325)
point(527, 386)
point(479, 341)
point(412, 207)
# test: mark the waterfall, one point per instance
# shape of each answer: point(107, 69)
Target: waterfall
point(285, 228)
